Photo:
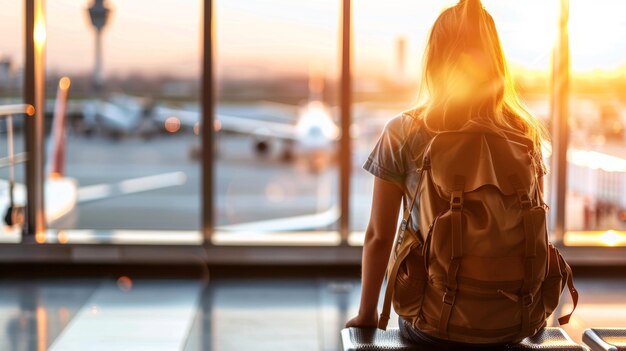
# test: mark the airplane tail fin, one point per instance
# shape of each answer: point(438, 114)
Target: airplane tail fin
point(56, 159)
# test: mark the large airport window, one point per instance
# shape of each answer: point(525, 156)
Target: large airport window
point(277, 121)
point(11, 85)
point(596, 181)
point(123, 82)
point(389, 41)
point(123, 116)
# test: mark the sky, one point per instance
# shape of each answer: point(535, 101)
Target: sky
point(268, 37)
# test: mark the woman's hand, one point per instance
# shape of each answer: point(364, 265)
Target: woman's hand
point(363, 321)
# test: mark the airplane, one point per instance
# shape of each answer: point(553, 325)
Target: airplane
point(307, 130)
point(117, 116)
point(63, 193)
point(313, 133)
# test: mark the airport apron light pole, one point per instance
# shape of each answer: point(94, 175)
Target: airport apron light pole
point(99, 14)
point(34, 89)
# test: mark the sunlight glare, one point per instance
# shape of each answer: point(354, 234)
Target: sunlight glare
point(39, 34)
point(611, 238)
point(596, 30)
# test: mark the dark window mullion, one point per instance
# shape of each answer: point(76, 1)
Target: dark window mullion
point(208, 115)
point(345, 147)
point(560, 124)
point(34, 89)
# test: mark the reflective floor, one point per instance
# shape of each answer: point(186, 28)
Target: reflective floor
point(224, 315)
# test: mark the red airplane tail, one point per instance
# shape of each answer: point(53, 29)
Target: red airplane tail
point(58, 134)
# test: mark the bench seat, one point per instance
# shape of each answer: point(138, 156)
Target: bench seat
point(360, 339)
point(605, 339)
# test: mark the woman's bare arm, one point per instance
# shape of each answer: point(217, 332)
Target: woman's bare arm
point(376, 249)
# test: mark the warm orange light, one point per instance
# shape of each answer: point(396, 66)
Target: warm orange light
point(42, 328)
point(610, 238)
point(217, 125)
point(172, 124)
point(40, 234)
point(40, 237)
point(196, 128)
point(62, 237)
point(124, 283)
point(30, 110)
point(64, 83)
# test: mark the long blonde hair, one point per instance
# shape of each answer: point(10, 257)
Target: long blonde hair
point(465, 75)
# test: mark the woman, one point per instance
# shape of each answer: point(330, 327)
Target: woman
point(465, 78)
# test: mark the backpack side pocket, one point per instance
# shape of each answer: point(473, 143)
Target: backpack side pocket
point(409, 285)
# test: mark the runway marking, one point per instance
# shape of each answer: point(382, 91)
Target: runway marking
point(151, 315)
point(303, 222)
point(131, 186)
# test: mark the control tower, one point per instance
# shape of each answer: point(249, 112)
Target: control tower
point(98, 13)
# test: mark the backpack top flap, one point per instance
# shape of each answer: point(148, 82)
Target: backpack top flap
point(484, 155)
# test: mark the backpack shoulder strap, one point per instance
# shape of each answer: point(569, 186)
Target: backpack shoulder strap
point(422, 130)
point(399, 258)
point(567, 270)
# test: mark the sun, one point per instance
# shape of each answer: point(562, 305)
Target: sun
point(596, 34)
point(529, 31)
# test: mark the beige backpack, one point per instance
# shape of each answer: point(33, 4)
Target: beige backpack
point(480, 269)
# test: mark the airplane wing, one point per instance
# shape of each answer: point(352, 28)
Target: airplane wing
point(230, 123)
point(116, 115)
point(261, 128)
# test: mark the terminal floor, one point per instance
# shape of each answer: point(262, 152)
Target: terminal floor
point(220, 315)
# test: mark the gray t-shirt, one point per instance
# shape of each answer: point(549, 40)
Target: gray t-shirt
point(397, 156)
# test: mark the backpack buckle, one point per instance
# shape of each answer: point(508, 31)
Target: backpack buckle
point(527, 300)
point(524, 199)
point(448, 297)
point(456, 200)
